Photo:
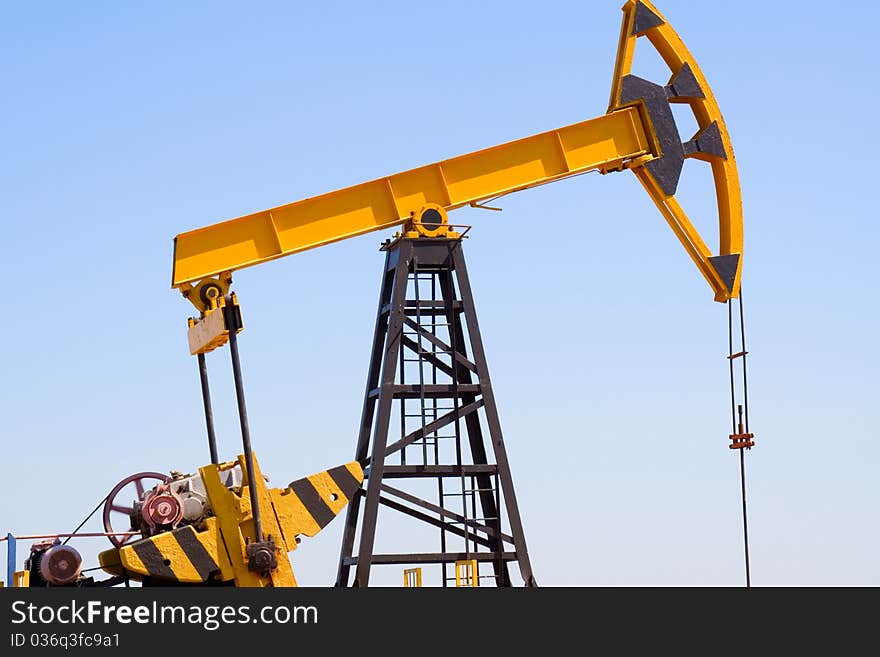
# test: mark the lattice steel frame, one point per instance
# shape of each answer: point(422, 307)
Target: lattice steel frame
point(469, 391)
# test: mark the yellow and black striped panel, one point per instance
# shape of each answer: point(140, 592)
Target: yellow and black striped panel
point(182, 555)
point(308, 505)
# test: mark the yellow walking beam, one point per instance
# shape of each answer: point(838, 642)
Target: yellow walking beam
point(604, 142)
point(638, 133)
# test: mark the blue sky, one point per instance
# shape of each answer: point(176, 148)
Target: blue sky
point(128, 123)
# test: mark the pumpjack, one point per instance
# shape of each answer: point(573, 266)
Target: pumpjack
point(428, 367)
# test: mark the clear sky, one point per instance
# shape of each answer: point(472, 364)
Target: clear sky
point(125, 124)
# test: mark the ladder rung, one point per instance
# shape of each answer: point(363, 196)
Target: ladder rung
point(462, 494)
point(467, 491)
point(431, 351)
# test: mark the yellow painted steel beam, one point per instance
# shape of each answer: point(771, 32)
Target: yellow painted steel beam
point(604, 143)
point(307, 505)
point(638, 133)
point(234, 512)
